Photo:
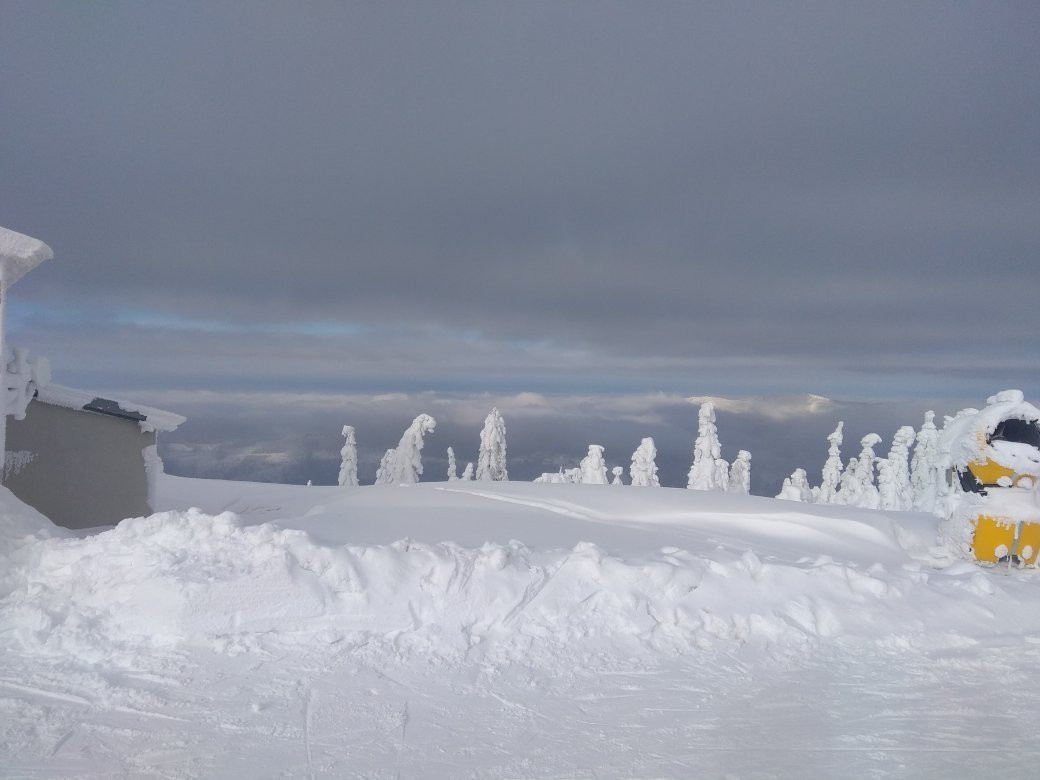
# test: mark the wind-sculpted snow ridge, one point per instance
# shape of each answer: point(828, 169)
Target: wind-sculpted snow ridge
point(191, 578)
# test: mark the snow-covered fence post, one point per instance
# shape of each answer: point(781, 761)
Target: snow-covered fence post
point(19, 254)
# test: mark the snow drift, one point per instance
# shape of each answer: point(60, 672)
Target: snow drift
point(190, 577)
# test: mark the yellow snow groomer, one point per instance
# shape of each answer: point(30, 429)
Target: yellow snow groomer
point(999, 463)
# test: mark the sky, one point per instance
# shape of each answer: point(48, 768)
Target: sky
point(277, 218)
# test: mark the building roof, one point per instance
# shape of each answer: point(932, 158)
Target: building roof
point(19, 254)
point(149, 418)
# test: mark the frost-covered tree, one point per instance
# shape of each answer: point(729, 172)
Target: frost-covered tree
point(923, 465)
point(721, 474)
point(348, 458)
point(898, 470)
point(832, 467)
point(643, 471)
point(593, 469)
point(453, 469)
point(617, 471)
point(385, 472)
point(887, 484)
point(865, 472)
point(740, 474)
point(706, 450)
point(491, 461)
point(467, 473)
point(408, 459)
point(796, 488)
point(850, 491)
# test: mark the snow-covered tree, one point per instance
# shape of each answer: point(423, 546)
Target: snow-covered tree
point(617, 471)
point(593, 469)
point(706, 450)
point(643, 471)
point(865, 472)
point(740, 474)
point(467, 473)
point(832, 467)
point(407, 466)
point(887, 483)
point(923, 465)
point(850, 491)
point(385, 472)
point(796, 488)
point(898, 468)
point(491, 462)
point(453, 469)
point(348, 458)
point(721, 474)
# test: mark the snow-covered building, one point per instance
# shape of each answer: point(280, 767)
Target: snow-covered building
point(85, 461)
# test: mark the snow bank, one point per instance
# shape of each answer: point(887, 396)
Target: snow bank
point(21, 525)
point(188, 577)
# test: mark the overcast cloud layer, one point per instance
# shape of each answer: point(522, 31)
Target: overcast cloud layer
point(748, 199)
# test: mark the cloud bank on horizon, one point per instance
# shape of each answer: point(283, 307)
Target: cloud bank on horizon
point(737, 199)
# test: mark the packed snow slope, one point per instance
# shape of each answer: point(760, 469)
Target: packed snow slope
point(508, 629)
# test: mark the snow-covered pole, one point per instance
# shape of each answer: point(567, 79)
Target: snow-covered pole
point(19, 254)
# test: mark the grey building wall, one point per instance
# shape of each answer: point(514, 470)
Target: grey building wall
point(81, 469)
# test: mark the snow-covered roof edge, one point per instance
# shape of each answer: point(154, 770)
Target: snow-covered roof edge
point(149, 418)
point(19, 254)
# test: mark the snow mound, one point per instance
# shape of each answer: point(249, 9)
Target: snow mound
point(20, 525)
point(188, 577)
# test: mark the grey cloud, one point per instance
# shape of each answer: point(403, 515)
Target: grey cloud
point(695, 198)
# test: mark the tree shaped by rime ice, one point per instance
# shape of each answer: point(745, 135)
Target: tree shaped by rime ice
point(491, 461)
point(453, 469)
point(706, 450)
point(408, 458)
point(740, 474)
point(617, 471)
point(467, 473)
point(923, 465)
point(869, 498)
point(643, 471)
point(850, 491)
point(888, 489)
point(348, 458)
point(385, 472)
point(796, 488)
point(593, 468)
point(721, 475)
point(832, 467)
point(899, 468)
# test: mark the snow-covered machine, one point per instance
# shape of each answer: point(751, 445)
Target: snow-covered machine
point(991, 459)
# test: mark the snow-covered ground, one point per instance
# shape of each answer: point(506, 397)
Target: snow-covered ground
point(508, 629)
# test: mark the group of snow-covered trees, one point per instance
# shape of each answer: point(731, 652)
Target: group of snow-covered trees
point(402, 465)
point(708, 472)
point(898, 481)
